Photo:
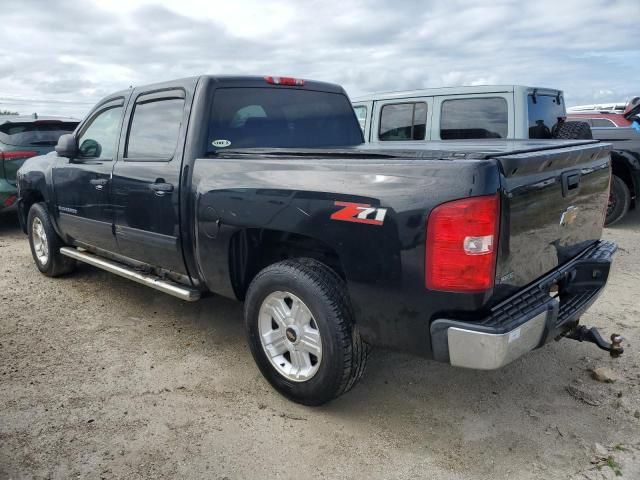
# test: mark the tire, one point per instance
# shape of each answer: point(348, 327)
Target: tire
point(573, 131)
point(45, 243)
point(342, 356)
point(619, 201)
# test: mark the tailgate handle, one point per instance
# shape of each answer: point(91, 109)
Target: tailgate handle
point(570, 183)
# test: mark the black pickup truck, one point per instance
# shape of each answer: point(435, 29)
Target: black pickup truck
point(258, 189)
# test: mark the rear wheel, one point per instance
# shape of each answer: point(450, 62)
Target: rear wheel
point(45, 243)
point(301, 332)
point(573, 131)
point(619, 201)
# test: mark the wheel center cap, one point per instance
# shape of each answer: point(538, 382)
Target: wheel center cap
point(291, 334)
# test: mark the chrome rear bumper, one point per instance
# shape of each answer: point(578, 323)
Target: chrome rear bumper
point(528, 319)
point(488, 351)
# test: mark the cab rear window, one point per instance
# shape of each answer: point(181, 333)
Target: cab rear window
point(41, 133)
point(281, 118)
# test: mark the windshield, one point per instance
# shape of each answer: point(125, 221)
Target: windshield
point(281, 118)
point(35, 133)
point(545, 111)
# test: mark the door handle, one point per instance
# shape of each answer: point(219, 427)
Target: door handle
point(99, 183)
point(161, 188)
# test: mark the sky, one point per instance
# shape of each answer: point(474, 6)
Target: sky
point(60, 57)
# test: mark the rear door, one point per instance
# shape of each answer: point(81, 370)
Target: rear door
point(146, 178)
point(82, 184)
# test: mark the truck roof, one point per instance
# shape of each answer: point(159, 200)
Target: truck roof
point(236, 80)
point(462, 90)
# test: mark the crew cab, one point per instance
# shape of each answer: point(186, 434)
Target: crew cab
point(469, 112)
point(260, 189)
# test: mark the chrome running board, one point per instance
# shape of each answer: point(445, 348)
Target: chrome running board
point(166, 286)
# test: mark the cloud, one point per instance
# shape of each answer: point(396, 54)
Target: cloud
point(59, 57)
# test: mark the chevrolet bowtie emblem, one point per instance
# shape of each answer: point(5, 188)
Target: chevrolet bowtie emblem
point(568, 216)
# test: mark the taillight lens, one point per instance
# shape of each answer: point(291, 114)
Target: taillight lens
point(461, 245)
point(16, 155)
point(287, 81)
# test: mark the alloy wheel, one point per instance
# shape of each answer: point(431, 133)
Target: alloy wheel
point(290, 336)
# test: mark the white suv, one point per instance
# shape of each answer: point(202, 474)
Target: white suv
point(494, 111)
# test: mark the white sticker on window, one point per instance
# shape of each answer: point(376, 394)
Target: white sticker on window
point(221, 143)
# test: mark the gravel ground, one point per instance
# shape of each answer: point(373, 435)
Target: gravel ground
point(104, 378)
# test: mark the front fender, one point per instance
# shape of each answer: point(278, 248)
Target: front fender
point(34, 181)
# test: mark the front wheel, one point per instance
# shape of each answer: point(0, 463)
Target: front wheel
point(45, 243)
point(301, 331)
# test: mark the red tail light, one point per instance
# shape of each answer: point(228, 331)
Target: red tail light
point(16, 155)
point(287, 81)
point(461, 245)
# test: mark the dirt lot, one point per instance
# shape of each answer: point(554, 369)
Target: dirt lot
point(103, 378)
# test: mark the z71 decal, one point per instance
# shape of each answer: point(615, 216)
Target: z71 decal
point(359, 213)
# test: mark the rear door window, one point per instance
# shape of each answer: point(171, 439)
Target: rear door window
point(155, 128)
point(465, 118)
point(403, 121)
point(545, 111)
point(281, 118)
point(39, 133)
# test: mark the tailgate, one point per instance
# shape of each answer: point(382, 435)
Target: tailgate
point(553, 208)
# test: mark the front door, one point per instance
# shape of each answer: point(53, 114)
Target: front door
point(146, 179)
point(82, 184)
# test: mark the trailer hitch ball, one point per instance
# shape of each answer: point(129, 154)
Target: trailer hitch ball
point(591, 335)
point(616, 345)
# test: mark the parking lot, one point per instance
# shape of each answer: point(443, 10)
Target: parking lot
point(104, 378)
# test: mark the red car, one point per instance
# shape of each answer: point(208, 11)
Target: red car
point(623, 131)
point(601, 119)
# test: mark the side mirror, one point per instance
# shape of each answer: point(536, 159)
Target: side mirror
point(67, 146)
point(90, 149)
